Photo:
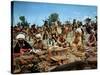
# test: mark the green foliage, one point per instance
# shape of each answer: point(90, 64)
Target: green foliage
point(87, 20)
point(23, 21)
point(53, 17)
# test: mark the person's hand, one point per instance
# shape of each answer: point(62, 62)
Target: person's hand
point(31, 50)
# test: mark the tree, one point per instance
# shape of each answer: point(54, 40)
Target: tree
point(23, 21)
point(53, 17)
point(67, 22)
point(74, 22)
point(96, 19)
point(87, 20)
point(18, 24)
point(79, 23)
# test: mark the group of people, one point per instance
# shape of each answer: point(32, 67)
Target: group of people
point(75, 35)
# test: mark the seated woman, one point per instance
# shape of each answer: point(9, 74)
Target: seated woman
point(92, 39)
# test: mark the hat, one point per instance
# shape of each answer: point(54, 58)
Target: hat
point(22, 36)
point(78, 30)
point(38, 36)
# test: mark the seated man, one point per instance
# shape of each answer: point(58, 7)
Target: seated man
point(92, 39)
point(21, 44)
point(61, 41)
point(38, 43)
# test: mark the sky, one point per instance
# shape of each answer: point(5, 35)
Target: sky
point(37, 12)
